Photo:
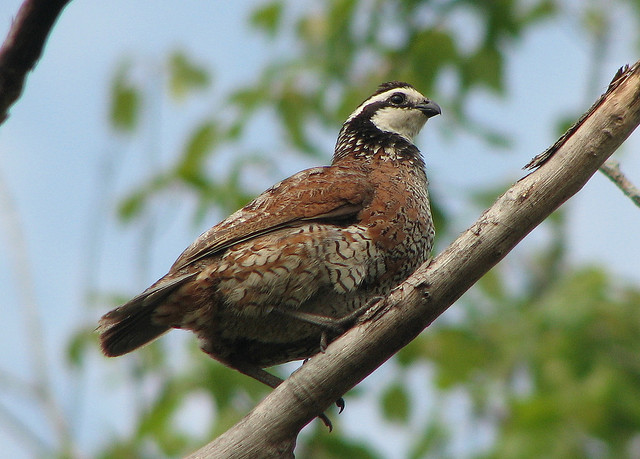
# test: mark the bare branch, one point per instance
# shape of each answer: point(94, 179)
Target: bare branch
point(271, 428)
point(612, 170)
point(23, 46)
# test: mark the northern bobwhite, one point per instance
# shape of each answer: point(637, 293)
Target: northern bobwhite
point(263, 286)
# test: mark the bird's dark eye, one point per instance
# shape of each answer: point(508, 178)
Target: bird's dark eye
point(397, 99)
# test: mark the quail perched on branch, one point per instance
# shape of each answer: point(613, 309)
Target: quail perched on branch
point(264, 286)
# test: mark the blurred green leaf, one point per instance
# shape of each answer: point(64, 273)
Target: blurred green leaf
point(395, 403)
point(201, 142)
point(412, 352)
point(485, 197)
point(295, 109)
point(134, 204)
point(492, 285)
point(431, 51)
point(596, 20)
point(268, 17)
point(543, 9)
point(247, 98)
point(565, 122)
point(131, 207)
point(80, 343)
point(125, 99)
point(459, 354)
point(333, 446)
point(164, 406)
point(484, 67)
point(185, 76)
point(432, 443)
point(121, 450)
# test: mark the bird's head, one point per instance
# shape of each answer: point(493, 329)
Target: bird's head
point(395, 109)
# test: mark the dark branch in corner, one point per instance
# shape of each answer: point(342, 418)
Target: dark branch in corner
point(23, 47)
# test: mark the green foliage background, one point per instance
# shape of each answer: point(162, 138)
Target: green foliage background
point(549, 364)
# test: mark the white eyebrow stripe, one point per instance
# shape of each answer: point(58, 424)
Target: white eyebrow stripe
point(410, 92)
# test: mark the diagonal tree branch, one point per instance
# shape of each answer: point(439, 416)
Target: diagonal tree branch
point(271, 428)
point(23, 46)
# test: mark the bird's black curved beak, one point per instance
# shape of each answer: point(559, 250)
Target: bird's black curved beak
point(429, 108)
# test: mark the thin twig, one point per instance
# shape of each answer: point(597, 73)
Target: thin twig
point(23, 46)
point(38, 444)
point(25, 286)
point(11, 384)
point(611, 169)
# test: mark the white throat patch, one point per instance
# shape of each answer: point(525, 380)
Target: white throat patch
point(406, 122)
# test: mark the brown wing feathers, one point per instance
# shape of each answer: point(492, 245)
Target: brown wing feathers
point(132, 325)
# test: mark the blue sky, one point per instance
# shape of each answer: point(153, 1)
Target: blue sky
point(56, 141)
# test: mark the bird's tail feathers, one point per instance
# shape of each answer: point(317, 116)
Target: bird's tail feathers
point(131, 325)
